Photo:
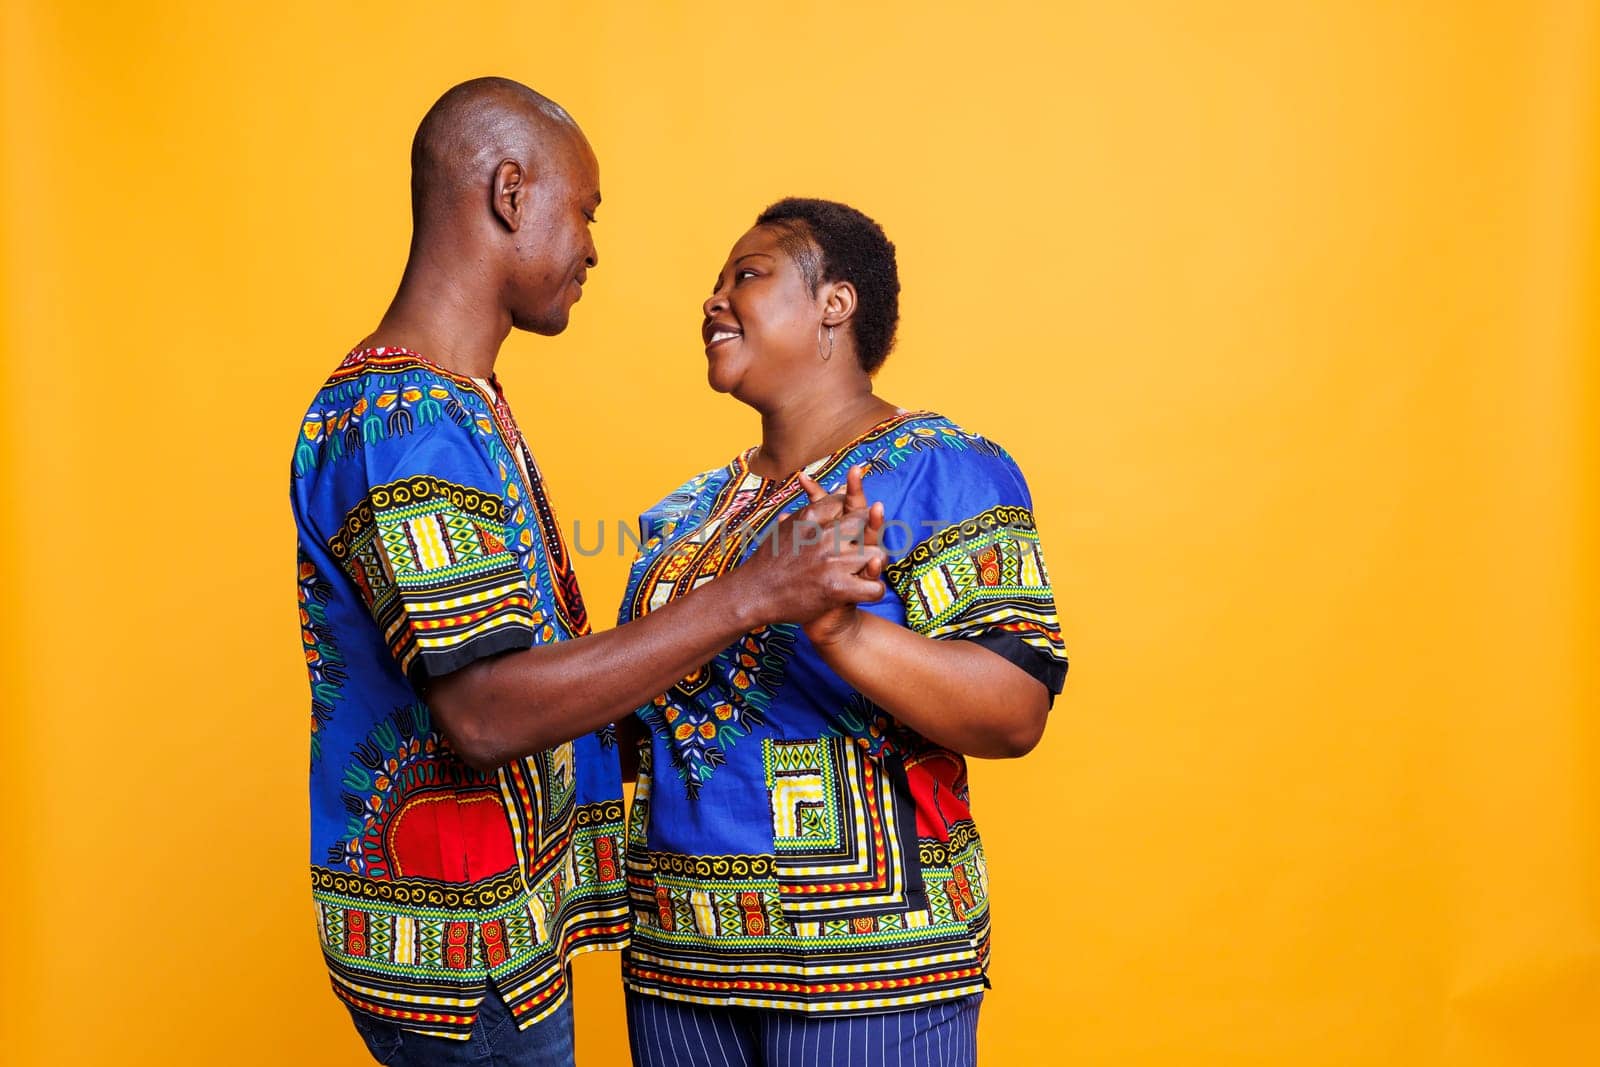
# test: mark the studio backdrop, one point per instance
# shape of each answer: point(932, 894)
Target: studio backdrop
point(1286, 309)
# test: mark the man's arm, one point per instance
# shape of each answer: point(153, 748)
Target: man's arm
point(511, 705)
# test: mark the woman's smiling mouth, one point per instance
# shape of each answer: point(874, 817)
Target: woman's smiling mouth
point(716, 333)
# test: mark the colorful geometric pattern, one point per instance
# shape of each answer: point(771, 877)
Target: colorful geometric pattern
point(557, 561)
point(417, 952)
point(540, 794)
point(427, 541)
point(926, 434)
point(398, 773)
point(985, 574)
point(705, 713)
point(431, 561)
point(843, 835)
point(379, 397)
point(872, 729)
point(834, 866)
point(324, 663)
point(345, 420)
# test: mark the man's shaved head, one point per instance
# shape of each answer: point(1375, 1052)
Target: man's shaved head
point(504, 188)
point(474, 126)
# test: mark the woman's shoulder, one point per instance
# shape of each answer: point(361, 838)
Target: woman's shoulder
point(927, 439)
point(927, 466)
point(695, 494)
point(699, 484)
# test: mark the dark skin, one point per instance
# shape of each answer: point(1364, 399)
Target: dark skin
point(768, 345)
point(505, 190)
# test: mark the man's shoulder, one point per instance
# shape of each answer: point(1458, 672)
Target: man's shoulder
point(387, 398)
point(376, 372)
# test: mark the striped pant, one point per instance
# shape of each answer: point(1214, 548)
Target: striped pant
point(671, 1033)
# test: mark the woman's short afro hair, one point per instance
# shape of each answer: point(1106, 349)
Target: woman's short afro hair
point(851, 248)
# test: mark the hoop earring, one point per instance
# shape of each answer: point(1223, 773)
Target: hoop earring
point(829, 354)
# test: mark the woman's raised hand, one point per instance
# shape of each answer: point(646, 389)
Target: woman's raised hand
point(839, 623)
point(821, 561)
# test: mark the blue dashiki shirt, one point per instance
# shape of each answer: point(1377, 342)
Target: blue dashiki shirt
point(790, 845)
point(426, 542)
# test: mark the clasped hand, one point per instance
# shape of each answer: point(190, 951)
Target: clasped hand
point(817, 564)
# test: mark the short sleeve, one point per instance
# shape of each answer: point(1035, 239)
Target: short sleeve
point(966, 559)
point(429, 544)
point(682, 504)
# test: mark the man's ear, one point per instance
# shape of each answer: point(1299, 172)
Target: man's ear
point(840, 304)
point(509, 196)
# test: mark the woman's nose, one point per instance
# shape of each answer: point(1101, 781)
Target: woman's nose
point(714, 303)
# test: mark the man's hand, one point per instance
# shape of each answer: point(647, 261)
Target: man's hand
point(821, 561)
point(503, 707)
point(818, 563)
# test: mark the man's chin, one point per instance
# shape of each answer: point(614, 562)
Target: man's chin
point(547, 325)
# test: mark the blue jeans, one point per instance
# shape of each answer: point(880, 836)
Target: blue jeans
point(495, 1040)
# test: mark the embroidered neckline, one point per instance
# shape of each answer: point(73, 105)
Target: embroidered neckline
point(395, 352)
point(740, 467)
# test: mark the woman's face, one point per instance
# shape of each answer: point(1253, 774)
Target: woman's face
point(761, 322)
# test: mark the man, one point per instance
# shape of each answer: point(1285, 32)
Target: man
point(466, 814)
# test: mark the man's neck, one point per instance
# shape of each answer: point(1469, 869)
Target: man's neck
point(447, 323)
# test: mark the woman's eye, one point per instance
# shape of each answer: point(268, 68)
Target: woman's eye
point(740, 275)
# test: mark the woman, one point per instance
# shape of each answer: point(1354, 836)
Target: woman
point(807, 884)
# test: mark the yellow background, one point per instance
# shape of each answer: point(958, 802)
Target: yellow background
point(1287, 310)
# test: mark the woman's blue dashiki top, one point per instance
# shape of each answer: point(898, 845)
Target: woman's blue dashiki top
point(790, 845)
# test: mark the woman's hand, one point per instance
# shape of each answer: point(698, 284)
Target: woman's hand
point(954, 693)
point(844, 622)
point(812, 563)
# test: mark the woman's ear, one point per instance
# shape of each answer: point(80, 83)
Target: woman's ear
point(840, 303)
